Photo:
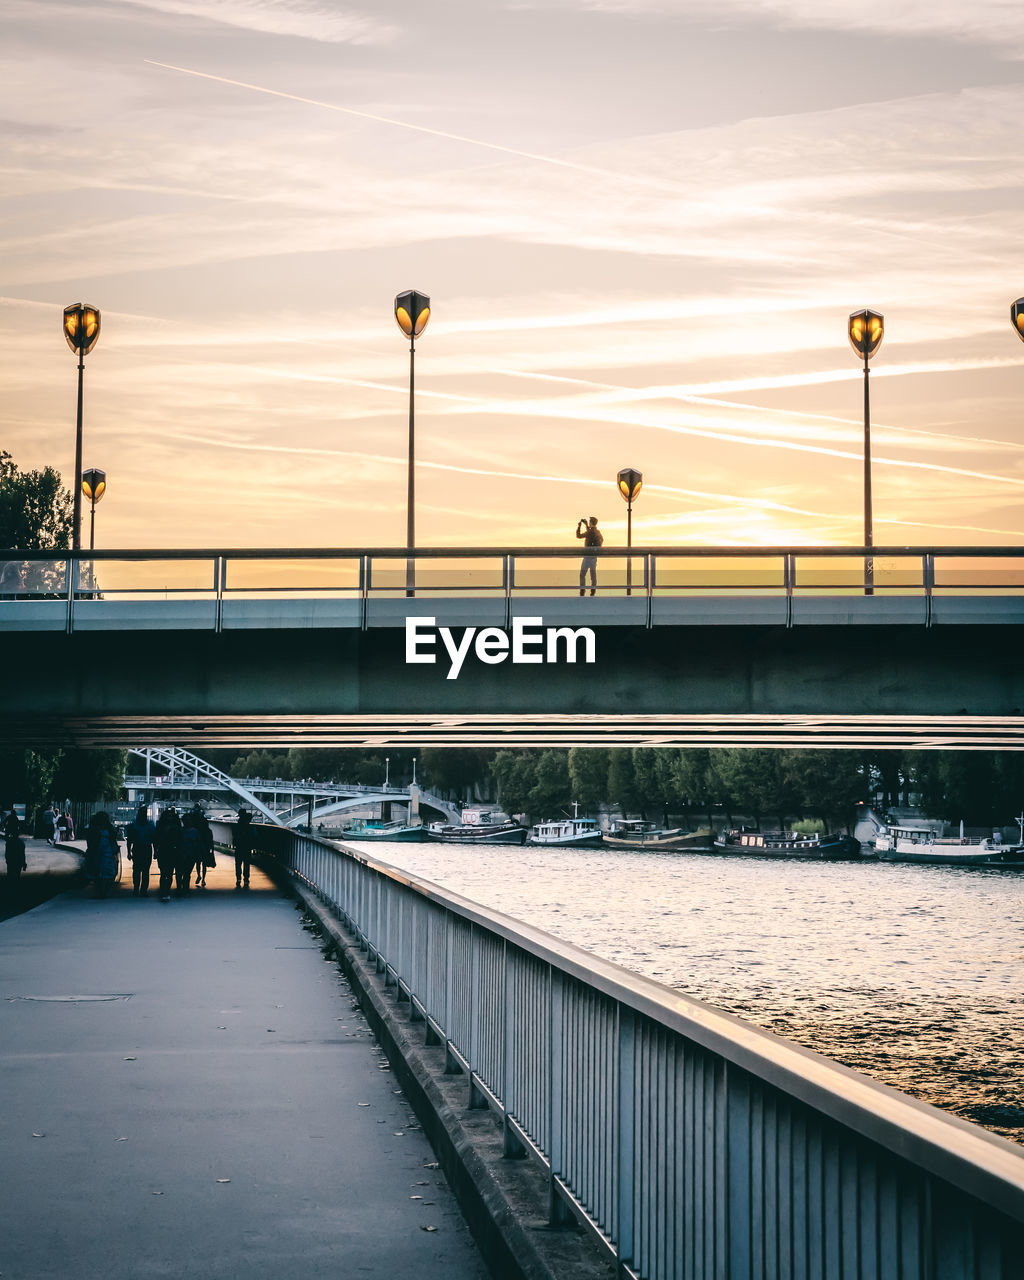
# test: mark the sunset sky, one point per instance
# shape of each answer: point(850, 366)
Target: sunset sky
point(642, 225)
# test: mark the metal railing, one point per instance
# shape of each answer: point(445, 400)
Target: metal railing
point(693, 1145)
point(222, 579)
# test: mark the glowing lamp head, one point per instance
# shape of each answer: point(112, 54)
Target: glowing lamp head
point(81, 327)
point(865, 330)
point(630, 483)
point(412, 311)
point(94, 484)
point(1017, 317)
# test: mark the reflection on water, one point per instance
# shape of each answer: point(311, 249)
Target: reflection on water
point(911, 974)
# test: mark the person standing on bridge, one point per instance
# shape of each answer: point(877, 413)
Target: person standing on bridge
point(592, 538)
point(141, 837)
point(243, 849)
point(168, 850)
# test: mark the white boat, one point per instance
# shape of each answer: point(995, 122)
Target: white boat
point(479, 826)
point(921, 844)
point(566, 832)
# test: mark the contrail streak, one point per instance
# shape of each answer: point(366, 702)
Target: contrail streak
point(757, 504)
point(404, 124)
point(713, 431)
point(845, 220)
point(392, 460)
point(694, 394)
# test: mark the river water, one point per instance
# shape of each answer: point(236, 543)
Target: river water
point(912, 974)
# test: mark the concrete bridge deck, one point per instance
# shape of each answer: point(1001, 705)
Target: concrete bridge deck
point(189, 1091)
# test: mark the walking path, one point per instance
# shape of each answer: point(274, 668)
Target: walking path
point(189, 1091)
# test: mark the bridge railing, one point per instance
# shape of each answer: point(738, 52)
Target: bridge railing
point(690, 1143)
point(214, 589)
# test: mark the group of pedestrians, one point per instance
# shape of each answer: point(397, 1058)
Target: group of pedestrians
point(58, 825)
point(182, 847)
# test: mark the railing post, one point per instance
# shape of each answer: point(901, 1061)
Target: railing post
point(508, 568)
point(649, 587)
point(625, 1122)
point(928, 576)
point(72, 585)
point(220, 569)
point(364, 590)
point(789, 581)
point(558, 1212)
point(512, 1148)
point(738, 1175)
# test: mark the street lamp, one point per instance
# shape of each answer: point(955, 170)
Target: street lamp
point(387, 769)
point(94, 486)
point(630, 483)
point(81, 329)
point(865, 331)
point(412, 311)
point(1017, 317)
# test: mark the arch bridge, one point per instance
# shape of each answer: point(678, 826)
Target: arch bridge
point(285, 802)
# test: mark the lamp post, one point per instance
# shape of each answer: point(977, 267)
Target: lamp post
point(94, 486)
point(1017, 318)
point(630, 482)
point(81, 329)
point(387, 769)
point(865, 332)
point(412, 311)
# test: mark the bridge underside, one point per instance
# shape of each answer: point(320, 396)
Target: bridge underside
point(688, 686)
point(979, 733)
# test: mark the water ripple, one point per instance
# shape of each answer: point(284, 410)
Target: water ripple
point(911, 974)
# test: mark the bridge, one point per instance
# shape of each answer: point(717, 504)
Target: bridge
point(721, 646)
point(281, 801)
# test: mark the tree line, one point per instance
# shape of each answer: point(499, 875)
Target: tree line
point(704, 787)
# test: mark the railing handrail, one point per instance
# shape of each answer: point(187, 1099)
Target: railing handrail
point(469, 553)
point(980, 1163)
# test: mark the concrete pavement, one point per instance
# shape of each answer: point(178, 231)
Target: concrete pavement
point(187, 1090)
point(50, 869)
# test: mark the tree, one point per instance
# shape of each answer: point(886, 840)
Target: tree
point(828, 783)
point(515, 773)
point(552, 791)
point(647, 788)
point(622, 789)
point(27, 777)
point(693, 780)
point(756, 782)
point(36, 511)
point(261, 764)
point(588, 775)
point(454, 769)
point(89, 774)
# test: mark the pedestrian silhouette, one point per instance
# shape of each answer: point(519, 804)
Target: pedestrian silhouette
point(141, 839)
point(14, 853)
point(243, 849)
point(592, 539)
point(169, 850)
point(102, 853)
